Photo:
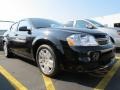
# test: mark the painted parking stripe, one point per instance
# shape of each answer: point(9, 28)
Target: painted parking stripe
point(48, 83)
point(103, 83)
point(12, 80)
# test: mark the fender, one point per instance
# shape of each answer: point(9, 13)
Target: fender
point(50, 39)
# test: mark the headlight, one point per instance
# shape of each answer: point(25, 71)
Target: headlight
point(82, 39)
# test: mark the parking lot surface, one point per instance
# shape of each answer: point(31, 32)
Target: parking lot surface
point(27, 73)
point(4, 84)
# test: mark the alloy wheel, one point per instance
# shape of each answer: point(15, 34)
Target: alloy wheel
point(46, 61)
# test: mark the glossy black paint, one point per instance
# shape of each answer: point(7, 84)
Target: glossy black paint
point(25, 44)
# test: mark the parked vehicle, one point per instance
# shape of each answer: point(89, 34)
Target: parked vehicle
point(4, 25)
point(114, 33)
point(54, 47)
point(1, 37)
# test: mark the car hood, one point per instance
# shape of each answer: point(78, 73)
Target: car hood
point(78, 30)
point(110, 31)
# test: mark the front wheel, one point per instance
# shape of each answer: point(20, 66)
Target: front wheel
point(47, 60)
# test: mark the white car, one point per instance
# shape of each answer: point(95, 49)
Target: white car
point(114, 33)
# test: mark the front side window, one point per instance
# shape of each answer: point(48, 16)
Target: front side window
point(81, 24)
point(24, 23)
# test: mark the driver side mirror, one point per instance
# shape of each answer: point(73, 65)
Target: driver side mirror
point(24, 28)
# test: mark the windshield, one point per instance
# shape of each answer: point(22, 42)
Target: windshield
point(96, 23)
point(44, 23)
point(2, 32)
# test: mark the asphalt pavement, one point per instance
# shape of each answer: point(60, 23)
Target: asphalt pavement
point(5, 84)
point(27, 73)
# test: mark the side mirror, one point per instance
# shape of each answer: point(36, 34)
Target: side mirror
point(89, 26)
point(24, 28)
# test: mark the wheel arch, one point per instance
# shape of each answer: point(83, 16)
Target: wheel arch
point(57, 48)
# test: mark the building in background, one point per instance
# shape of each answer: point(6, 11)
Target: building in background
point(109, 20)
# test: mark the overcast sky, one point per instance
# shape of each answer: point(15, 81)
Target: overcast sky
point(61, 10)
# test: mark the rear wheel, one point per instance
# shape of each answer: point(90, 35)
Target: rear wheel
point(7, 52)
point(47, 60)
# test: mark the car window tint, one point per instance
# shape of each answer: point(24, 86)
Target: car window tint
point(24, 23)
point(80, 24)
point(44, 23)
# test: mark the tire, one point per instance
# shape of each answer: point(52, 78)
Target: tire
point(47, 60)
point(7, 52)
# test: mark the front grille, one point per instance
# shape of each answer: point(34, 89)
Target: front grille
point(102, 39)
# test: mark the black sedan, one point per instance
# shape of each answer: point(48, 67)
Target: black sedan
point(54, 47)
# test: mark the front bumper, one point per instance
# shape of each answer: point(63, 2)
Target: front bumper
point(86, 59)
point(107, 66)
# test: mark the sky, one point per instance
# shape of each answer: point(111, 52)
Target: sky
point(60, 10)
